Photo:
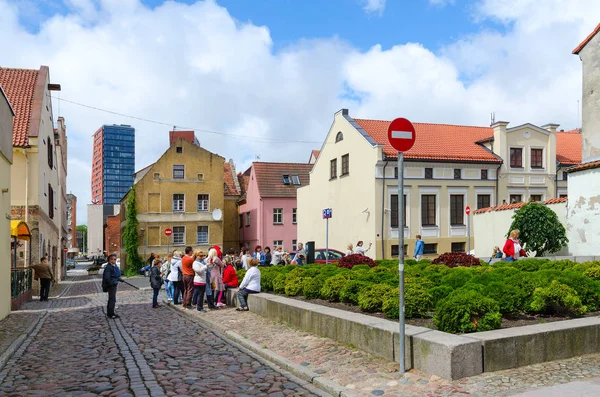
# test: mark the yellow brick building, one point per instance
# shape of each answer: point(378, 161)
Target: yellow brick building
point(189, 190)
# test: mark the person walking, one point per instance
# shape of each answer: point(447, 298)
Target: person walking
point(419, 248)
point(110, 282)
point(155, 281)
point(176, 276)
point(250, 285)
point(513, 248)
point(44, 274)
point(216, 276)
point(187, 263)
point(199, 279)
point(360, 249)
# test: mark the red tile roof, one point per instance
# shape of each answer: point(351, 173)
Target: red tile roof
point(19, 86)
point(231, 188)
point(568, 147)
point(269, 178)
point(189, 136)
point(585, 166)
point(436, 141)
point(587, 40)
point(515, 206)
point(316, 153)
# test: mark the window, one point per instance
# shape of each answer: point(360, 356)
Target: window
point(333, 169)
point(178, 202)
point(202, 202)
point(457, 203)
point(515, 198)
point(346, 164)
point(286, 179)
point(563, 196)
point(294, 245)
point(428, 210)
point(484, 174)
point(396, 172)
point(202, 235)
point(430, 249)
point(178, 235)
point(50, 202)
point(428, 173)
point(247, 218)
point(396, 250)
point(394, 210)
point(178, 172)
point(536, 158)
point(294, 215)
point(179, 149)
point(295, 179)
point(516, 158)
point(241, 220)
point(156, 176)
point(277, 216)
point(339, 137)
point(457, 173)
point(50, 154)
point(536, 197)
point(565, 176)
point(277, 243)
point(201, 177)
point(483, 201)
point(458, 247)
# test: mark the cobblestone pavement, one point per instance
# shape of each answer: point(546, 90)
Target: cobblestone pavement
point(74, 350)
point(368, 375)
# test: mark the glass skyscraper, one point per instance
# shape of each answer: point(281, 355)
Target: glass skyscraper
point(113, 163)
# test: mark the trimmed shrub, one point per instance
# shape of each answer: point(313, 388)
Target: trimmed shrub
point(240, 274)
point(349, 261)
point(510, 298)
point(333, 286)
point(370, 299)
point(593, 272)
point(293, 286)
point(279, 284)
point(417, 301)
point(439, 293)
point(360, 268)
point(266, 280)
point(311, 287)
point(454, 259)
point(391, 304)
point(557, 298)
point(349, 293)
point(467, 311)
point(457, 278)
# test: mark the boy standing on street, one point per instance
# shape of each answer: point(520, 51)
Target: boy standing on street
point(419, 248)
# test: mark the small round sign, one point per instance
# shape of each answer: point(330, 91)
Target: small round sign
point(401, 134)
point(65, 249)
point(468, 210)
point(168, 232)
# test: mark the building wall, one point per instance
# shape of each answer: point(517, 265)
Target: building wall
point(583, 208)
point(6, 156)
point(112, 234)
point(95, 229)
point(72, 221)
point(250, 233)
point(286, 232)
point(351, 197)
point(231, 224)
point(590, 57)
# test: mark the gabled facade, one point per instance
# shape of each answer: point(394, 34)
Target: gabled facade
point(449, 167)
point(38, 174)
point(6, 159)
point(268, 211)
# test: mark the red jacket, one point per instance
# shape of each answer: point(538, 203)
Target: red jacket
point(230, 276)
point(509, 249)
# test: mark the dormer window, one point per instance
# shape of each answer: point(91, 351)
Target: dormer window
point(339, 137)
point(286, 179)
point(295, 180)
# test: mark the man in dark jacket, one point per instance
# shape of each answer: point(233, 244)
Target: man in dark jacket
point(110, 281)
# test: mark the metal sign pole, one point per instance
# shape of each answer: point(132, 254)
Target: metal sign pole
point(401, 256)
point(327, 241)
point(469, 232)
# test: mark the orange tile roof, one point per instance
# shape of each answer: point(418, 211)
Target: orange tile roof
point(228, 181)
point(316, 153)
point(515, 206)
point(587, 40)
point(585, 166)
point(269, 178)
point(568, 147)
point(19, 86)
point(436, 141)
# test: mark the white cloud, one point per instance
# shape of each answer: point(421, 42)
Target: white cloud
point(441, 3)
point(374, 6)
point(196, 66)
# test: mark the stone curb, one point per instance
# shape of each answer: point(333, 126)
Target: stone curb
point(294, 369)
point(14, 346)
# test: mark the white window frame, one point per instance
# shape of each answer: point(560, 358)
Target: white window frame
point(175, 243)
point(430, 231)
point(543, 169)
point(182, 202)
point(203, 208)
point(198, 241)
point(538, 192)
point(524, 158)
point(457, 230)
point(183, 169)
point(277, 243)
point(520, 192)
point(393, 230)
point(294, 245)
point(248, 218)
point(294, 216)
point(485, 191)
point(278, 216)
point(295, 180)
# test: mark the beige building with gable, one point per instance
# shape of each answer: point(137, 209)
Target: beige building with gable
point(449, 167)
point(6, 157)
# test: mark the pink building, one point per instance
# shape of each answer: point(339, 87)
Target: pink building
point(268, 210)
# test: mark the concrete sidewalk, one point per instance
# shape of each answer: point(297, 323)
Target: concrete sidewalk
point(139, 282)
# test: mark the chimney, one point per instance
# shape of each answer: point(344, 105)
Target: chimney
point(550, 127)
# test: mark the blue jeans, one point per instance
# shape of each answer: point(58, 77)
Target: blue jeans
point(243, 294)
point(509, 259)
point(169, 289)
point(155, 297)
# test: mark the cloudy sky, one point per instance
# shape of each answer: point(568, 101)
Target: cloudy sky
point(264, 77)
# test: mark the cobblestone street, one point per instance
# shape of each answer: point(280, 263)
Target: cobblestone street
point(73, 350)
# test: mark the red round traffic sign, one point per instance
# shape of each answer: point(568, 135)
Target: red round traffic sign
point(401, 134)
point(168, 232)
point(468, 210)
point(65, 249)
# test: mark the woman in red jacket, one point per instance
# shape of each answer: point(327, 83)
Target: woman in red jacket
point(513, 248)
point(230, 278)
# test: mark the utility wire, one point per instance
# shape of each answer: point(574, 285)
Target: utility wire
point(258, 139)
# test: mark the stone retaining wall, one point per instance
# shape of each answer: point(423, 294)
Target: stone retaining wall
point(446, 355)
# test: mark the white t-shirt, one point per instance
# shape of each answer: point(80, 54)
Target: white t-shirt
point(517, 250)
point(245, 259)
point(349, 252)
point(360, 250)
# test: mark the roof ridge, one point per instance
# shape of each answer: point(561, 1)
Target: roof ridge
point(426, 123)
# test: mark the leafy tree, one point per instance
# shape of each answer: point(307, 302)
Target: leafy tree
point(84, 231)
point(539, 228)
point(130, 234)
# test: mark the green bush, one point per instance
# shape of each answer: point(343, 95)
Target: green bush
point(266, 280)
point(241, 273)
point(457, 277)
point(293, 286)
point(391, 304)
point(349, 293)
point(361, 268)
point(417, 301)
point(333, 286)
point(467, 311)
point(439, 293)
point(311, 287)
point(557, 298)
point(370, 299)
point(279, 284)
point(593, 272)
point(510, 299)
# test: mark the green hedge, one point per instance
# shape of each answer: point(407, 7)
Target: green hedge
point(463, 299)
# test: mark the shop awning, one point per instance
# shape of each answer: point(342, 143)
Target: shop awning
point(20, 230)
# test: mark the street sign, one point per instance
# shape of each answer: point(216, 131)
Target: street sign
point(468, 210)
point(168, 232)
point(65, 249)
point(401, 134)
point(327, 213)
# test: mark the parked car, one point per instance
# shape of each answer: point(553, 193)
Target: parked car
point(334, 255)
point(146, 270)
point(70, 264)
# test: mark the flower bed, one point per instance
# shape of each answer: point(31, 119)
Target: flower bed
point(460, 299)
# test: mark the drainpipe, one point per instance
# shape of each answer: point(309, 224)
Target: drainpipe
point(27, 243)
point(556, 180)
point(383, 212)
point(497, 181)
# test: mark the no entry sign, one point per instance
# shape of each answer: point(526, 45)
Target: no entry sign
point(168, 232)
point(468, 210)
point(401, 134)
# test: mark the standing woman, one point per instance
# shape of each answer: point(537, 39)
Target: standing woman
point(513, 248)
point(44, 273)
point(199, 279)
point(268, 257)
point(155, 281)
point(176, 276)
point(349, 249)
point(245, 258)
point(216, 276)
point(165, 270)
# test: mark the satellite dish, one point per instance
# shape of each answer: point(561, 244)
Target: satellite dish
point(70, 238)
point(217, 214)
